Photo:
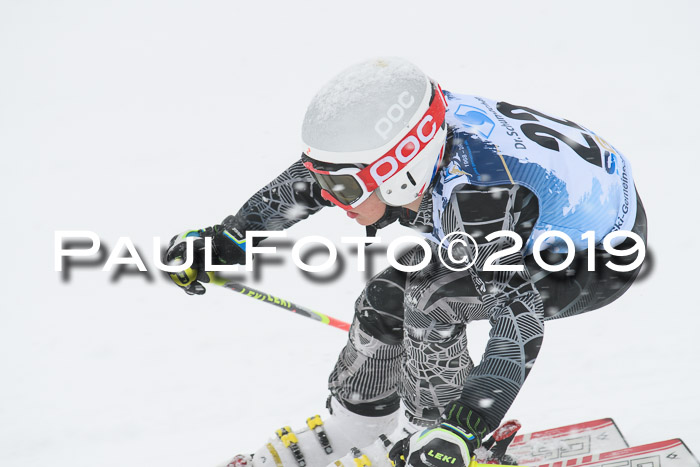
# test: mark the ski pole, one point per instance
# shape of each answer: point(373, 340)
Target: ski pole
point(279, 302)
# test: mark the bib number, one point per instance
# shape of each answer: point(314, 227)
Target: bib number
point(550, 138)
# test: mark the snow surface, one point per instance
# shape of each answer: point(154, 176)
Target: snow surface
point(145, 118)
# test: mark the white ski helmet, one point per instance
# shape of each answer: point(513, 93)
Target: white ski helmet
point(379, 125)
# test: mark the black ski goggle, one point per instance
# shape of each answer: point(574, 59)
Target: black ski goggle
point(340, 184)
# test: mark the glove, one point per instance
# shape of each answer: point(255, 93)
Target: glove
point(448, 444)
point(228, 247)
point(443, 445)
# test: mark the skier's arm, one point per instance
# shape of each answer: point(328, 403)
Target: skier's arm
point(289, 198)
point(286, 200)
point(517, 329)
point(516, 315)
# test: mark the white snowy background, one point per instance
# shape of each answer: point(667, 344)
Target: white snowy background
point(145, 118)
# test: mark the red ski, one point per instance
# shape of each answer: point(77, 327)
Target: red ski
point(568, 441)
point(671, 453)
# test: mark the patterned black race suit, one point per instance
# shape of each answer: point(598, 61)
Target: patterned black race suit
point(408, 338)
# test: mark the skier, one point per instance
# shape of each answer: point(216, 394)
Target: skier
point(383, 142)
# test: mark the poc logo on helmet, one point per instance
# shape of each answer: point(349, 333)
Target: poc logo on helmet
point(393, 114)
point(404, 152)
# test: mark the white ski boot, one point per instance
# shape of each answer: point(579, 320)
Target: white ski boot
point(493, 451)
point(320, 442)
point(376, 453)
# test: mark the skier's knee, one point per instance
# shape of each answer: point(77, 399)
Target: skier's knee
point(379, 309)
